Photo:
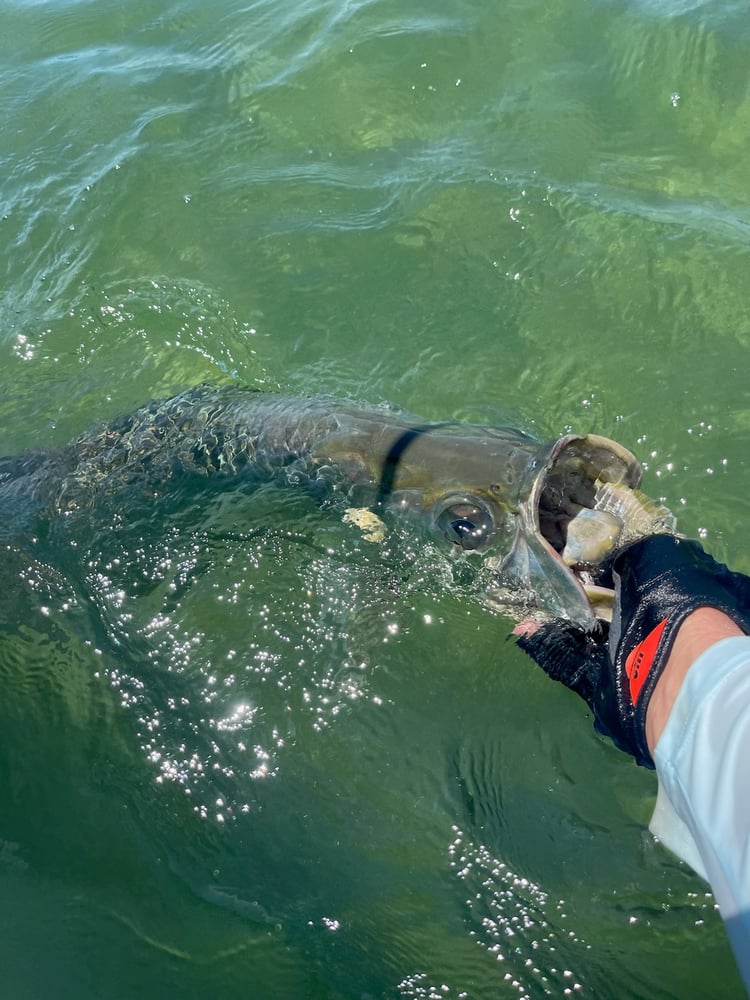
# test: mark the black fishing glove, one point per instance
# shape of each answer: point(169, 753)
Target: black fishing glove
point(657, 581)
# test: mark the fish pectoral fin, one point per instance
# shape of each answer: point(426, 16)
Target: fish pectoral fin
point(372, 527)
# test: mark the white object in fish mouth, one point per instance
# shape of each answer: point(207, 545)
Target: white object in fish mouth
point(620, 515)
point(591, 535)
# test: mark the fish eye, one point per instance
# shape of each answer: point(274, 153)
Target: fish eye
point(464, 521)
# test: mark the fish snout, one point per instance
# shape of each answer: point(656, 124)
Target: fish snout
point(582, 504)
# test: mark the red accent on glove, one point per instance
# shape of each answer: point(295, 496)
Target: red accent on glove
point(641, 659)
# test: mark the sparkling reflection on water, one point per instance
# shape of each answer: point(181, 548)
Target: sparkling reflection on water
point(240, 747)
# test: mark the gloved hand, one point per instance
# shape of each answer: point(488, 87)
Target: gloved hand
point(658, 581)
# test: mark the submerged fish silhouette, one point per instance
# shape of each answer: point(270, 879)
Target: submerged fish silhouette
point(490, 490)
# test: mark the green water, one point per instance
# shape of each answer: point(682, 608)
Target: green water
point(241, 751)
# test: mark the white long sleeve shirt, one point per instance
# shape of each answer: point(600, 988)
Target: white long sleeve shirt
point(703, 764)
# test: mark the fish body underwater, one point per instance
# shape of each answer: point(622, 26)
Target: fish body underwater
point(496, 492)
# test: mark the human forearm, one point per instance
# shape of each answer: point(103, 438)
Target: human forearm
point(700, 630)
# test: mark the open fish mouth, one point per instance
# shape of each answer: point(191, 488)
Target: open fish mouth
point(583, 503)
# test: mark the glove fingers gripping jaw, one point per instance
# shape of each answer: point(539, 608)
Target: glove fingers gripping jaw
point(658, 582)
point(569, 654)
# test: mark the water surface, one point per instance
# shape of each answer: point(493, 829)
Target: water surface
point(240, 748)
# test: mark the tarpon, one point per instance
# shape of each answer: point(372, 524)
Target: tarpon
point(496, 491)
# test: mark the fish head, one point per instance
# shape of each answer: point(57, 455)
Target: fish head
point(499, 494)
point(492, 493)
point(531, 578)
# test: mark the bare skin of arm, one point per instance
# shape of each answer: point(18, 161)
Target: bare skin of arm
point(700, 630)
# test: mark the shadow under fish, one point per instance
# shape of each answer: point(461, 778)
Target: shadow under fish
point(543, 515)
